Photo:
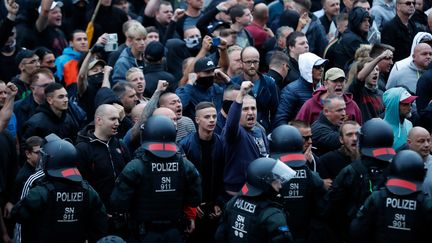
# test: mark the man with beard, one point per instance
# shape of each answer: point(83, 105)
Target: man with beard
point(201, 89)
point(331, 163)
point(264, 87)
point(325, 130)
point(126, 93)
point(235, 64)
point(102, 156)
point(241, 133)
point(398, 103)
point(204, 149)
point(185, 125)
point(52, 116)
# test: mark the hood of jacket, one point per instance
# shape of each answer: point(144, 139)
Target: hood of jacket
point(356, 17)
point(86, 133)
point(306, 62)
point(419, 37)
point(391, 103)
point(385, 4)
point(46, 109)
point(106, 96)
point(68, 51)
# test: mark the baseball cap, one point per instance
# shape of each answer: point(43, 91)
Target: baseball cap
point(204, 64)
point(334, 73)
point(213, 27)
point(24, 53)
point(94, 62)
point(407, 98)
point(320, 62)
point(154, 51)
point(53, 5)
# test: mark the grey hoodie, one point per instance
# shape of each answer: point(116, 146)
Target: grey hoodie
point(383, 11)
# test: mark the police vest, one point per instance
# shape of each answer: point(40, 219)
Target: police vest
point(160, 191)
point(65, 217)
point(399, 217)
point(243, 219)
point(297, 200)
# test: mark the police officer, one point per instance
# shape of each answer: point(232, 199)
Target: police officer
point(355, 182)
point(400, 211)
point(254, 216)
point(301, 196)
point(156, 186)
point(63, 207)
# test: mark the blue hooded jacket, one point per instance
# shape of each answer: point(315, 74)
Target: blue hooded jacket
point(400, 130)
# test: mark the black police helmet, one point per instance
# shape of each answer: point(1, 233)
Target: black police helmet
point(286, 144)
point(60, 158)
point(376, 140)
point(262, 172)
point(158, 136)
point(111, 239)
point(406, 173)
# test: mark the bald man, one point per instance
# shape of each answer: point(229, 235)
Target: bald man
point(407, 74)
point(419, 140)
point(102, 156)
point(258, 29)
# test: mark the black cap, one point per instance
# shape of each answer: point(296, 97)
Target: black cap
point(154, 51)
point(204, 64)
point(213, 27)
point(24, 53)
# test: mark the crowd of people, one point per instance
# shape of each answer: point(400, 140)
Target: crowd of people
point(215, 120)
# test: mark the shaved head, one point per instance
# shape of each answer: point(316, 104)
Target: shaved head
point(419, 140)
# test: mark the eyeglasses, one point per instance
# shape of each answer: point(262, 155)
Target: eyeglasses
point(34, 61)
point(306, 138)
point(409, 3)
point(254, 62)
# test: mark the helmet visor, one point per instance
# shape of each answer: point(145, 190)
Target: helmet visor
point(281, 172)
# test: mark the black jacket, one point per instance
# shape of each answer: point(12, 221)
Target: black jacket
point(100, 162)
point(23, 110)
point(396, 34)
point(325, 135)
point(424, 93)
point(331, 163)
point(45, 122)
point(155, 72)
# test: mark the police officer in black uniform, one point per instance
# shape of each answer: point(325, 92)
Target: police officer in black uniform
point(400, 211)
point(63, 207)
point(302, 196)
point(355, 182)
point(254, 216)
point(156, 186)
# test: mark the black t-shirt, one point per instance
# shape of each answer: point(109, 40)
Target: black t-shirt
point(206, 170)
point(9, 68)
point(54, 39)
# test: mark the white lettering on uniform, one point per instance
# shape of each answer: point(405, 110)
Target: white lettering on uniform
point(165, 167)
point(401, 203)
point(300, 174)
point(69, 196)
point(245, 206)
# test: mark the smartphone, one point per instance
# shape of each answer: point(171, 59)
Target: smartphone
point(216, 41)
point(112, 44)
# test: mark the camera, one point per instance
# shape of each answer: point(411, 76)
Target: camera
point(112, 43)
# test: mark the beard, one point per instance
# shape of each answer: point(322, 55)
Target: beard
point(354, 155)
